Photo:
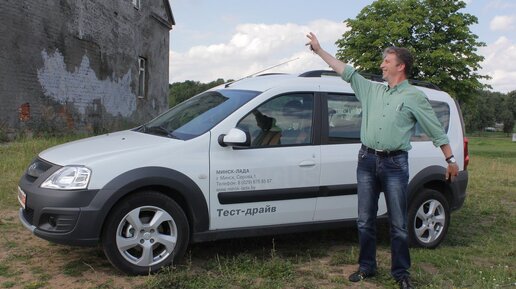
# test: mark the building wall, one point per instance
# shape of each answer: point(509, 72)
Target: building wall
point(72, 65)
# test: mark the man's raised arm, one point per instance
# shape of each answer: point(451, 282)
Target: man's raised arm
point(337, 65)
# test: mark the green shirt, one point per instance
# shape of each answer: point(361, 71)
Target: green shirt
point(390, 114)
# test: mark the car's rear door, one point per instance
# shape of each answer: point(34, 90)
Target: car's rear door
point(340, 133)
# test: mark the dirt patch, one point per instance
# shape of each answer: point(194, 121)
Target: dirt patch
point(428, 268)
point(30, 262)
point(329, 274)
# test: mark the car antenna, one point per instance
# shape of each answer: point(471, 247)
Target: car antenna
point(229, 83)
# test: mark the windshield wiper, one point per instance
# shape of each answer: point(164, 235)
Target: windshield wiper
point(159, 130)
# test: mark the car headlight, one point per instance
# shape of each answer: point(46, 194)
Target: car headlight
point(68, 178)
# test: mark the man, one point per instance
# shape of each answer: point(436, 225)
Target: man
point(389, 113)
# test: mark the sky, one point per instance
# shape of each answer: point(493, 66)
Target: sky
point(231, 39)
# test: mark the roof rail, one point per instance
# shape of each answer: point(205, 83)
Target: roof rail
point(318, 73)
point(370, 76)
point(272, 73)
point(423, 83)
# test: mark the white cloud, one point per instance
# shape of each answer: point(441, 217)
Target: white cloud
point(254, 47)
point(503, 22)
point(500, 4)
point(500, 64)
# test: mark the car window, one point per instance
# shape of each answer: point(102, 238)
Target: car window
point(198, 114)
point(345, 115)
point(344, 118)
point(281, 121)
point(442, 111)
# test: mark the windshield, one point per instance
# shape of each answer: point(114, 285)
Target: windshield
point(198, 114)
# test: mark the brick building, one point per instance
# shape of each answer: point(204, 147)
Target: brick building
point(82, 65)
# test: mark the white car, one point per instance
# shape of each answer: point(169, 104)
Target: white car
point(263, 155)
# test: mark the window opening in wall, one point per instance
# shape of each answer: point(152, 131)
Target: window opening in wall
point(136, 4)
point(142, 63)
point(24, 112)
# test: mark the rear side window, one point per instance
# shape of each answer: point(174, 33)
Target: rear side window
point(345, 118)
point(442, 111)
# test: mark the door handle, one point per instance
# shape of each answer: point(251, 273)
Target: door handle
point(307, 163)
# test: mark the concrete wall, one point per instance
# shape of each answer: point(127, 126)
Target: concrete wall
point(72, 65)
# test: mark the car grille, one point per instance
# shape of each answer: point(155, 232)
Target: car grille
point(36, 168)
point(28, 214)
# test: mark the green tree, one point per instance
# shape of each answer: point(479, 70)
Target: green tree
point(479, 111)
point(181, 91)
point(508, 122)
point(508, 114)
point(435, 32)
point(510, 102)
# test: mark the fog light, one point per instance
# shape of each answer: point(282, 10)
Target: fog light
point(52, 221)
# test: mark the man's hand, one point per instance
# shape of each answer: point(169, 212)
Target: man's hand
point(337, 65)
point(452, 171)
point(314, 44)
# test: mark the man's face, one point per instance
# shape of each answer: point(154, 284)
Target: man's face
point(391, 67)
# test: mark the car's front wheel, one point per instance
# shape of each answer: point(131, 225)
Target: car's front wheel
point(145, 232)
point(429, 218)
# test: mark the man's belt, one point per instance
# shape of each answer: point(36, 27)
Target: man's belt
point(382, 153)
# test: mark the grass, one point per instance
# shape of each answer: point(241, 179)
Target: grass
point(480, 248)
point(14, 159)
point(75, 268)
point(478, 252)
point(244, 270)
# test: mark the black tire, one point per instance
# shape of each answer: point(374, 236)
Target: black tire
point(428, 219)
point(135, 246)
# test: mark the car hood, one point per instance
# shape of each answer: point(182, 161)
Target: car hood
point(104, 148)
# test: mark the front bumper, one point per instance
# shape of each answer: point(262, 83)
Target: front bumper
point(60, 216)
point(24, 221)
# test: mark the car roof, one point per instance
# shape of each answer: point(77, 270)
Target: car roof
point(331, 82)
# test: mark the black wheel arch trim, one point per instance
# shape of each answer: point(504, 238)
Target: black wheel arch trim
point(436, 175)
point(194, 204)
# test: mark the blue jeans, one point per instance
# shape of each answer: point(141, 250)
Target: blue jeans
point(389, 175)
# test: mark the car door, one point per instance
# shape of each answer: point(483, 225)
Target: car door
point(340, 132)
point(275, 179)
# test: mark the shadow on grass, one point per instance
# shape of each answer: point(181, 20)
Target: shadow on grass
point(298, 247)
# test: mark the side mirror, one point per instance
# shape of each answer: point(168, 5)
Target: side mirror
point(235, 137)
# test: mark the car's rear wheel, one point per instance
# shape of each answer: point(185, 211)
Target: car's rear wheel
point(429, 218)
point(145, 232)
